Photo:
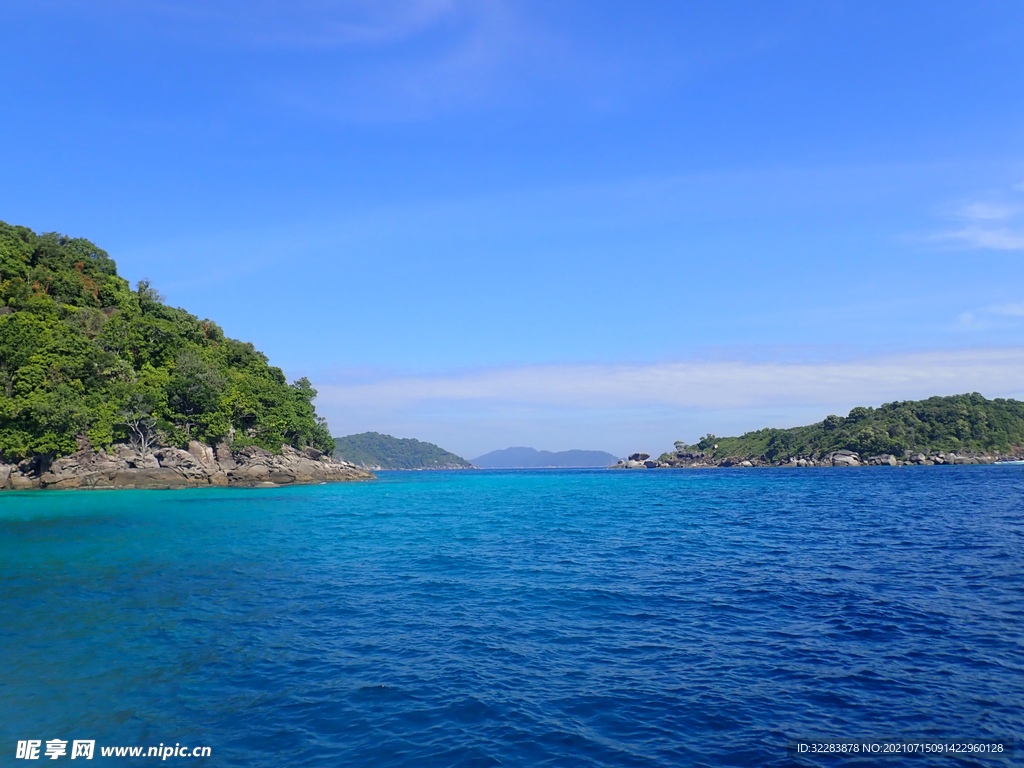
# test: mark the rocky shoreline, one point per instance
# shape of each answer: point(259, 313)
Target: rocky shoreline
point(167, 467)
point(700, 460)
point(447, 467)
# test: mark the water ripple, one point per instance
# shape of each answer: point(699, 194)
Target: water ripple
point(520, 618)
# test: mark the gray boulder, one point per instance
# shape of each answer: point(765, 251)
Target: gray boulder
point(203, 453)
point(224, 456)
point(22, 482)
point(144, 461)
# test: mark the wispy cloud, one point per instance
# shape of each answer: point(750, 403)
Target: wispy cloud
point(378, 60)
point(631, 407)
point(460, 54)
point(714, 384)
point(333, 23)
point(295, 23)
point(992, 316)
point(980, 238)
point(995, 225)
point(984, 211)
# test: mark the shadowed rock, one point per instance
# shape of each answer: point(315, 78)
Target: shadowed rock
point(169, 467)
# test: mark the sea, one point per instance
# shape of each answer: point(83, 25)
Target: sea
point(562, 618)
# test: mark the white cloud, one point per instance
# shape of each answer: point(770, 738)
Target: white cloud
point(700, 384)
point(645, 407)
point(991, 224)
point(980, 238)
point(992, 316)
point(988, 225)
point(989, 211)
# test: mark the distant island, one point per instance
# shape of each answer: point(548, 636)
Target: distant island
point(374, 451)
point(530, 458)
point(108, 387)
point(959, 429)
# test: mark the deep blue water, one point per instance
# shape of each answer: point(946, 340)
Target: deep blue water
point(528, 618)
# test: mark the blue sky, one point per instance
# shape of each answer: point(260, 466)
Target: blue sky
point(566, 225)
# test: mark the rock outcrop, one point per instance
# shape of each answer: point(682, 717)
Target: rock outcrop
point(842, 458)
point(169, 467)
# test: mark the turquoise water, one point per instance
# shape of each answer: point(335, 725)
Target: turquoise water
point(529, 618)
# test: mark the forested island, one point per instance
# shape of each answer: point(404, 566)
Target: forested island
point(374, 451)
point(106, 386)
point(959, 429)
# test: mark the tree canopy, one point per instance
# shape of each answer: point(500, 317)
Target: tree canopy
point(83, 356)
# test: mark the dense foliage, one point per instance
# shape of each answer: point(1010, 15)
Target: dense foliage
point(84, 356)
point(372, 449)
point(959, 422)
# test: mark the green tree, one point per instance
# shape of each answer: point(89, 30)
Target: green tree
point(82, 354)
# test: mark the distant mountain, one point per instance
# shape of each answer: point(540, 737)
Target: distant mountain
point(376, 451)
point(525, 458)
